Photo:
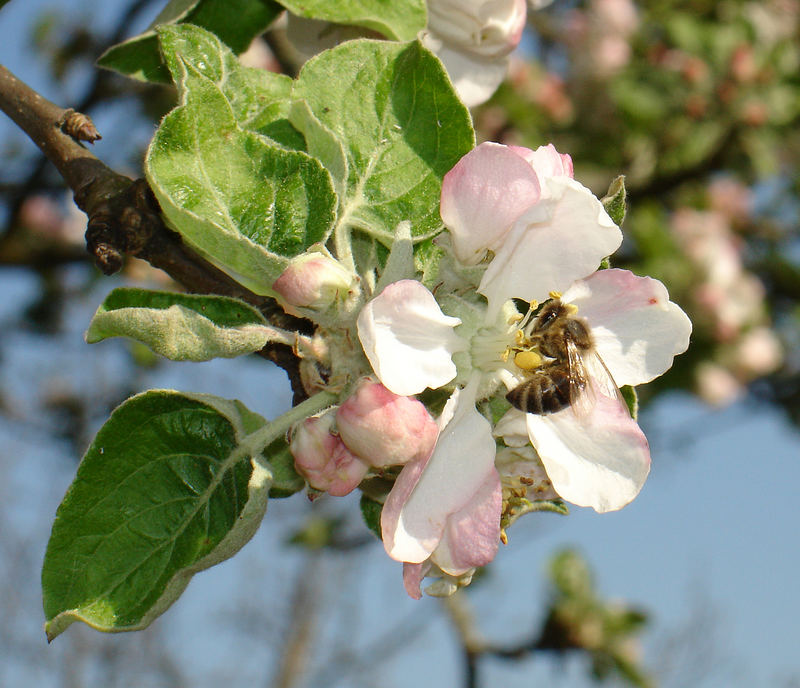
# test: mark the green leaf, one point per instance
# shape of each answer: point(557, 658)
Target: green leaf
point(244, 203)
point(400, 21)
point(236, 22)
point(181, 327)
point(614, 200)
point(371, 513)
point(401, 124)
point(259, 99)
point(165, 490)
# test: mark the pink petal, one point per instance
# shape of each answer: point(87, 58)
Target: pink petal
point(547, 161)
point(429, 490)
point(407, 338)
point(412, 578)
point(599, 461)
point(561, 240)
point(483, 195)
point(636, 328)
point(472, 534)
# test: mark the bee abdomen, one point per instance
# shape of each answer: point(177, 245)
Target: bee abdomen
point(542, 394)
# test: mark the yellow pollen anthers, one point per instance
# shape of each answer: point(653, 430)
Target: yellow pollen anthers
point(527, 360)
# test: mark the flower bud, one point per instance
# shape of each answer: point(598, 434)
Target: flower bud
point(322, 458)
point(491, 29)
point(384, 429)
point(313, 280)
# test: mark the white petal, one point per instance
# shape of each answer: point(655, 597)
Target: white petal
point(599, 461)
point(474, 76)
point(637, 330)
point(561, 239)
point(427, 492)
point(513, 428)
point(407, 338)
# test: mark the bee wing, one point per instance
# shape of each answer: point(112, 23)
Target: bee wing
point(589, 377)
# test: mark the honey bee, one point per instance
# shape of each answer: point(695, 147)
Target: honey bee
point(569, 370)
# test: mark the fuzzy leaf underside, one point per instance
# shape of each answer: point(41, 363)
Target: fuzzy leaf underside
point(180, 327)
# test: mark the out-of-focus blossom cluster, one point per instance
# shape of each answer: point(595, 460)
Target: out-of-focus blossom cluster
point(600, 35)
point(727, 300)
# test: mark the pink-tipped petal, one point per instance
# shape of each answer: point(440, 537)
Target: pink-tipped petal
point(472, 534)
point(429, 490)
point(407, 338)
point(547, 161)
point(637, 330)
point(562, 239)
point(600, 461)
point(482, 197)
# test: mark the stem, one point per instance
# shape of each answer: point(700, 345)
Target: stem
point(344, 247)
point(259, 440)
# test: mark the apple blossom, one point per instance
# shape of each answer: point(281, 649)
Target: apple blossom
point(383, 428)
point(546, 233)
point(323, 459)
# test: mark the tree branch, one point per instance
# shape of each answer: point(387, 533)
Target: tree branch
point(124, 216)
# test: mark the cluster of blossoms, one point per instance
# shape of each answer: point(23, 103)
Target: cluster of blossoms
point(521, 231)
point(726, 299)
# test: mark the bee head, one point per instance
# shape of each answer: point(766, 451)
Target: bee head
point(550, 313)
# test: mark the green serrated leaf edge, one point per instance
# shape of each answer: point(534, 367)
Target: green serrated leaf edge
point(246, 524)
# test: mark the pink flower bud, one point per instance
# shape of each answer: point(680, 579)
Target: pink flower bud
point(313, 280)
point(322, 458)
point(384, 429)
